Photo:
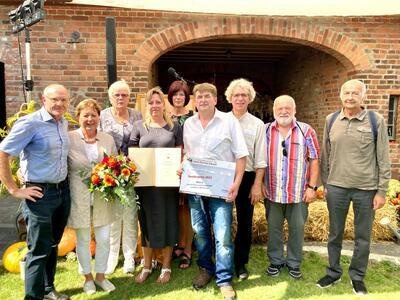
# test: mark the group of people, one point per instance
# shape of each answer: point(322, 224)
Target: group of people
point(278, 162)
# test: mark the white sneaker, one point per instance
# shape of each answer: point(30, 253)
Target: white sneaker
point(106, 285)
point(128, 270)
point(129, 266)
point(89, 287)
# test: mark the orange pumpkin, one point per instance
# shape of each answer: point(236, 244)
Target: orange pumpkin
point(92, 247)
point(67, 243)
point(13, 255)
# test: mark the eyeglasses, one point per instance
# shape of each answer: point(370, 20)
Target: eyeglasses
point(284, 152)
point(120, 95)
point(240, 95)
point(55, 100)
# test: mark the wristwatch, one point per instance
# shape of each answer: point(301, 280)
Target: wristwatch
point(312, 187)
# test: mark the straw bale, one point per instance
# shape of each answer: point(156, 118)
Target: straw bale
point(317, 225)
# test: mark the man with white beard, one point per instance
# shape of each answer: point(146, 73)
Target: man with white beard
point(291, 181)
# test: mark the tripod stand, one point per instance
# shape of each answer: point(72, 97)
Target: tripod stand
point(28, 82)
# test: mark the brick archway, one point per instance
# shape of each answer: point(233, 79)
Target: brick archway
point(353, 57)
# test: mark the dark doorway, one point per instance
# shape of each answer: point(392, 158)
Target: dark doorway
point(219, 61)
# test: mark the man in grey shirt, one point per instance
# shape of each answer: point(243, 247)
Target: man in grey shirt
point(355, 167)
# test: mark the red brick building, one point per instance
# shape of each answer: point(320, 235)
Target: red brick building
point(306, 57)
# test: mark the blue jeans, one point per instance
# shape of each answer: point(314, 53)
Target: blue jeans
point(338, 200)
point(213, 214)
point(46, 219)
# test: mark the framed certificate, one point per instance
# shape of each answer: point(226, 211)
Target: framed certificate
point(207, 177)
point(157, 166)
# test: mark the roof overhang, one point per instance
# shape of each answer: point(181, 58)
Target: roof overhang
point(262, 7)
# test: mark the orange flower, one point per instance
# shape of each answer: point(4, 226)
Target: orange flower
point(125, 172)
point(133, 167)
point(95, 179)
point(99, 166)
point(112, 162)
point(109, 180)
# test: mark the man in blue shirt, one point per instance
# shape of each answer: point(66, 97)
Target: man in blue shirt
point(41, 141)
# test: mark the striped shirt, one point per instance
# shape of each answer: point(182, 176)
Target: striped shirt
point(288, 158)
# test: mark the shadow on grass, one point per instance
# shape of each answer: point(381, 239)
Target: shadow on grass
point(382, 278)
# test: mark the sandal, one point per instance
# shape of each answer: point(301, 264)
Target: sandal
point(143, 275)
point(165, 275)
point(185, 261)
point(177, 252)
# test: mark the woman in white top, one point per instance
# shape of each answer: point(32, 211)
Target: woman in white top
point(87, 147)
point(117, 121)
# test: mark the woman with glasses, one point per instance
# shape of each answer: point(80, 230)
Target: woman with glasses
point(117, 121)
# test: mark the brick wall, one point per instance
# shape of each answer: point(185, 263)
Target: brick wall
point(339, 48)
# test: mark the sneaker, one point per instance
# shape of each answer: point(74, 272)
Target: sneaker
point(274, 270)
point(327, 281)
point(54, 295)
point(202, 279)
point(106, 285)
point(359, 287)
point(295, 273)
point(129, 266)
point(242, 272)
point(227, 292)
point(89, 287)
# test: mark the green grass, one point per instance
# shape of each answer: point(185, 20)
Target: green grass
point(383, 282)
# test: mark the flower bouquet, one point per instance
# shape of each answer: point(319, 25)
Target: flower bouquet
point(114, 177)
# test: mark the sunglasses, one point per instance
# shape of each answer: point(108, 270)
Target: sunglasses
point(284, 152)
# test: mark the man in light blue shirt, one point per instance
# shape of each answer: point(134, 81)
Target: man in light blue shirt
point(41, 141)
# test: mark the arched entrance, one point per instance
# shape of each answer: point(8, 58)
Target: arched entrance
point(318, 59)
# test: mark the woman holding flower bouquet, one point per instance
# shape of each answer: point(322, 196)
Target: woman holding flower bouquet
point(117, 121)
point(158, 213)
point(88, 146)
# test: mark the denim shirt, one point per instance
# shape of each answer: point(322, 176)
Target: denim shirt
point(42, 144)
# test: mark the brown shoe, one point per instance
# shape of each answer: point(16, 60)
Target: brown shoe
point(228, 292)
point(202, 279)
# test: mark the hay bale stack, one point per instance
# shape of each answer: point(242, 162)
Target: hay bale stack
point(317, 225)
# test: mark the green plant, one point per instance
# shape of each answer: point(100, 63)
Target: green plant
point(25, 109)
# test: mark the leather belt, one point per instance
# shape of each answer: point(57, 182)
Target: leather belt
point(49, 185)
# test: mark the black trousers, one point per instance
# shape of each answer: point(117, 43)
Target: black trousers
point(244, 215)
point(46, 219)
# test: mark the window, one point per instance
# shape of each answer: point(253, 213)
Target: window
point(392, 117)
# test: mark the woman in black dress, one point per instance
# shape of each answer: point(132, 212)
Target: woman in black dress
point(178, 97)
point(158, 213)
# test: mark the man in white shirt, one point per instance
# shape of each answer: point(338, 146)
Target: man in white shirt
point(240, 93)
point(211, 134)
